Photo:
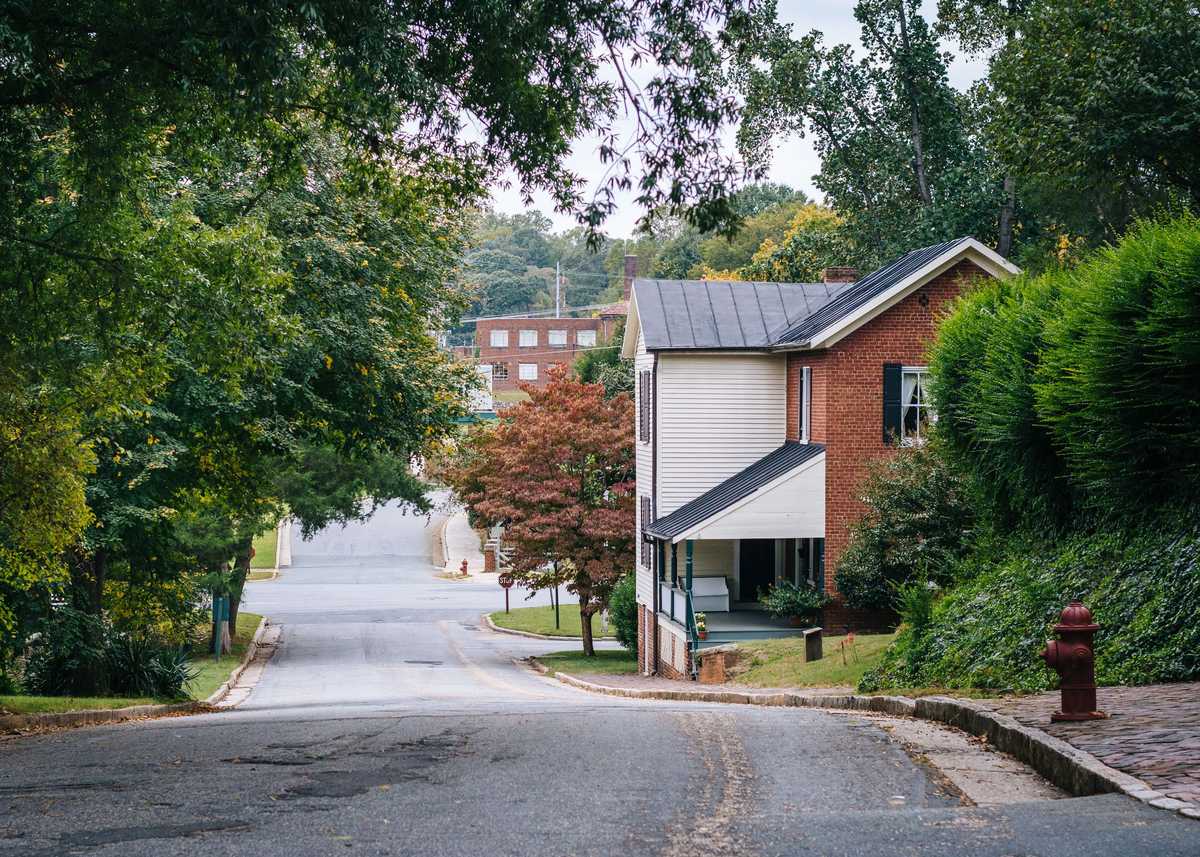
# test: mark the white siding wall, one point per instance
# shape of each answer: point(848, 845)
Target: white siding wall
point(645, 470)
point(717, 414)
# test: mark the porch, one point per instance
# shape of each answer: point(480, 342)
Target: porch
point(742, 621)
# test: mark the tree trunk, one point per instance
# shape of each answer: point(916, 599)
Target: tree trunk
point(241, 568)
point(916, 133)
point(1007, 210)
point(585, 622)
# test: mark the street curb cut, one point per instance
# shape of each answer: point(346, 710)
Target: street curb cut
point(1068, 767)
point(94, 716)
point(487, 620)
point(251, 650)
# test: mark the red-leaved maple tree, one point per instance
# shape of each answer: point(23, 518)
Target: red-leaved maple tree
point(558, 472)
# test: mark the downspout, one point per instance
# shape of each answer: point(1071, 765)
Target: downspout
point(654, 500)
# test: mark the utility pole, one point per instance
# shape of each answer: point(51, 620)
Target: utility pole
point(557, 291)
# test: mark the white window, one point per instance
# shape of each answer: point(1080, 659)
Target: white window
point(527, 371)
point(500, 372)
point(557, 337)
point(916, 407)
point(585, 338)
point(805, 404)
point(528, 338)
point(499, 339)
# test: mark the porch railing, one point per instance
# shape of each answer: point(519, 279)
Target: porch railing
point(676, 602)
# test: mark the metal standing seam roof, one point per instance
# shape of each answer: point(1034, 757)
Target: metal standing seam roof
point(719, 314)
point(737, 487)
point(863, 291)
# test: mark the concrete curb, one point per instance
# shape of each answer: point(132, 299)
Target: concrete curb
point(487, 620)
point(1068, 767)
point(95, 716)
point(251, 650)
point(439, 557)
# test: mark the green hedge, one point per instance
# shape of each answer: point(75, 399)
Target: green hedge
point(1077, 393)
point(1069, 404)
point(1143, 589)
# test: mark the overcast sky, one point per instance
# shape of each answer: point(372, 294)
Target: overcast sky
point(794, 163)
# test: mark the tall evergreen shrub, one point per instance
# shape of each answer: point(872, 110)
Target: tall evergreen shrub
point(1119, 383)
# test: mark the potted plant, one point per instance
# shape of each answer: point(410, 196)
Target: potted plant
point(701, 627)
point(797, 603)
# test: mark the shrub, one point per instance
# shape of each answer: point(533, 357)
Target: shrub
point(622, 609)
point(1120, 383)
point(79, 654)
point(1143, 588)
point(919, 517)
point(67, 656)
point(786, 599)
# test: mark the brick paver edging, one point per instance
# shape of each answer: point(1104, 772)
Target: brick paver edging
point(1068, 767)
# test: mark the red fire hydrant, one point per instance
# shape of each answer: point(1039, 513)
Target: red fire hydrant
point(462, 569)
point(1073, 658)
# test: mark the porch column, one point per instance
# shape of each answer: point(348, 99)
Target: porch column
point(662, 565)
point(688, 582)
point(674, 564)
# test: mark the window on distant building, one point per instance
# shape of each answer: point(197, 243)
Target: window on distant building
point(907, 407)
point(557, 337)
point(499, 371)
point(499, 339)
point(528, 338)
point(527, 371)
point(585, 338)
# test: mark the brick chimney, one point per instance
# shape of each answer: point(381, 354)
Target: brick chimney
point(839, 275)
point(630, 273)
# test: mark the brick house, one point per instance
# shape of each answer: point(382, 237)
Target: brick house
point(759, 409)
point(523, 350)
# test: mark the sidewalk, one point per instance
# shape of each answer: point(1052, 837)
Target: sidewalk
point(461, 542)
point(1148, 747)
point(1152, 732)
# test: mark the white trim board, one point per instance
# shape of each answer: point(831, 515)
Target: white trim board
point(987, 259)
point(793, 521)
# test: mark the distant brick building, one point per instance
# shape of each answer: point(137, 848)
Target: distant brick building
point(523, 350)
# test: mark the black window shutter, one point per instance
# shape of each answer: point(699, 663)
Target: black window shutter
point(891, 402)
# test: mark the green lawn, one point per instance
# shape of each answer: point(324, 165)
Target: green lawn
point(20, 704)
point(573, 662)
point(264, 549)
point(213, 673)
point(780, 663)
point(540, 620)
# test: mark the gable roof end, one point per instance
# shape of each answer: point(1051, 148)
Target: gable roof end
point(882, 288)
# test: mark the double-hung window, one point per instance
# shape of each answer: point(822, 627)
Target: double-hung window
point(804, 404)
point(645, 395)
point(499, 371)
point(499, 339)
point(557, 337)
point(527, 371)
point(528, 339)
point(908, 410)
point(585, 338)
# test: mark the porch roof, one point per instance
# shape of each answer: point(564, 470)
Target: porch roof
point(735, 489)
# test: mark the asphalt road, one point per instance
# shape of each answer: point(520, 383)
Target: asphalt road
point(390, 723)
